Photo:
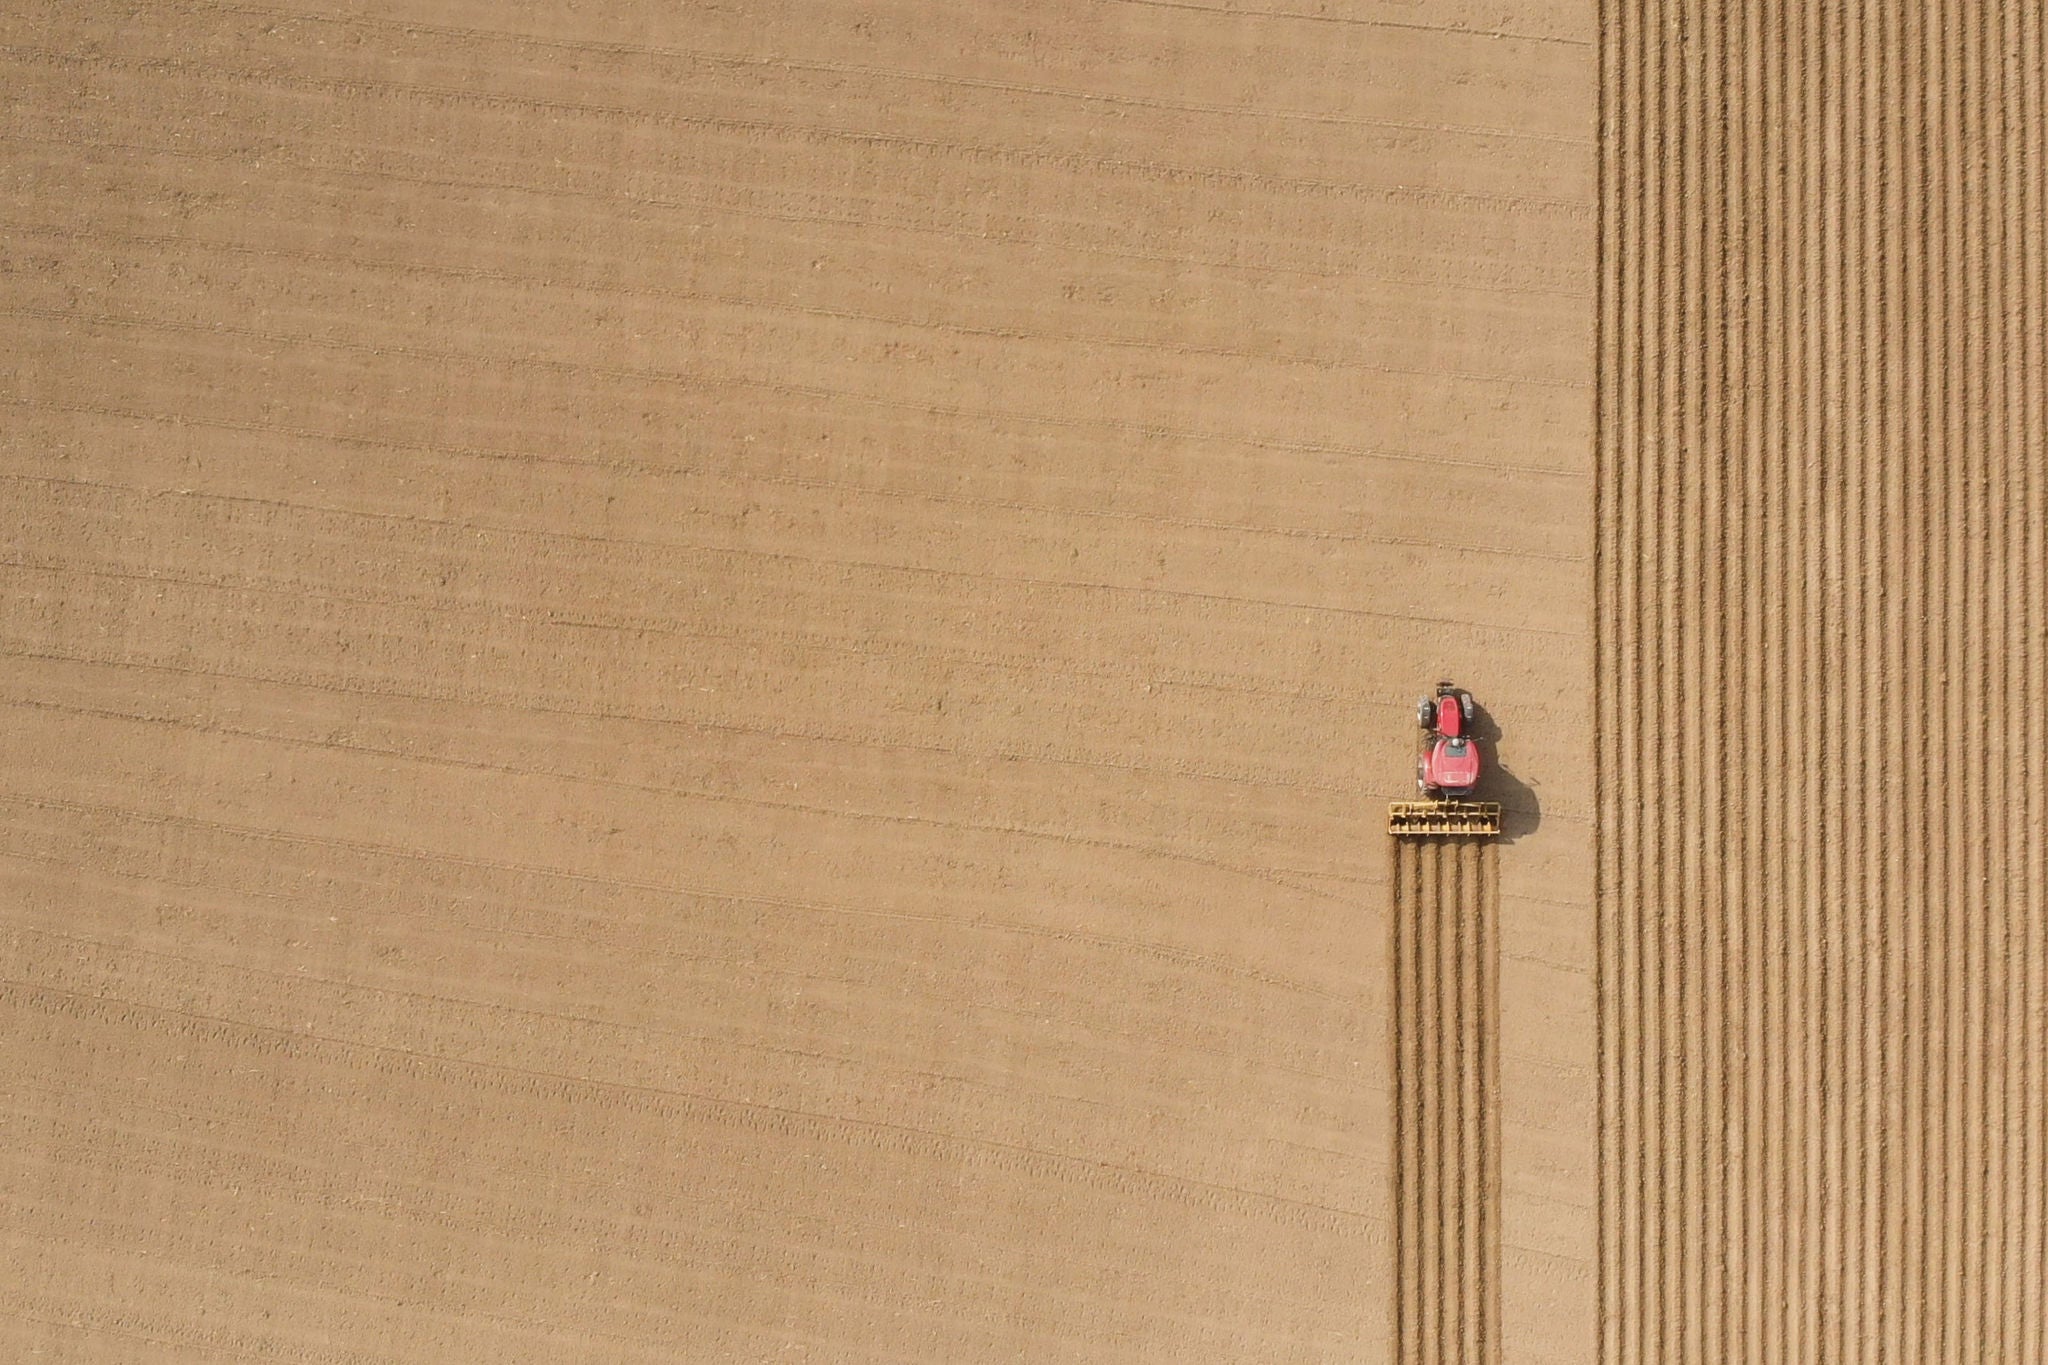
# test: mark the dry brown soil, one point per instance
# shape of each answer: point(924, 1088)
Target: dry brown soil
point(715, 682)
point(1446, 1025)
point(1824, 602)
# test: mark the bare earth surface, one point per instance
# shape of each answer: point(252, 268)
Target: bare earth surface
point(1824, 598)
point(716, 682)
point(1446, 1024)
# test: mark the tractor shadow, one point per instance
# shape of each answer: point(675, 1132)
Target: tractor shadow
point(1520, 811)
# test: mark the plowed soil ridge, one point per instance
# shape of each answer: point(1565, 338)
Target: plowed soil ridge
point(1820, 580)
point(1446, 1017)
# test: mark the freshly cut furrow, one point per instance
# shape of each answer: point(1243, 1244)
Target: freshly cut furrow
point(1446, 1027)
point(1819, 637)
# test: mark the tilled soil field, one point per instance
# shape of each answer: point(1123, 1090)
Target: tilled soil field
point(1823, 597)
point(715, 683)
point(1446, 1015)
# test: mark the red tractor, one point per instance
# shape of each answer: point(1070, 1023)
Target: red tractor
point(1447, 771)
point(1448, 766)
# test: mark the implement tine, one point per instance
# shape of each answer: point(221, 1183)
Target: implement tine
point(1421, 819)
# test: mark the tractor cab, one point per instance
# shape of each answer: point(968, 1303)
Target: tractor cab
point(1453, 766)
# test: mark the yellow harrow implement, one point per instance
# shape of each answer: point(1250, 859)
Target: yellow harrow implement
point(1416, 819)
